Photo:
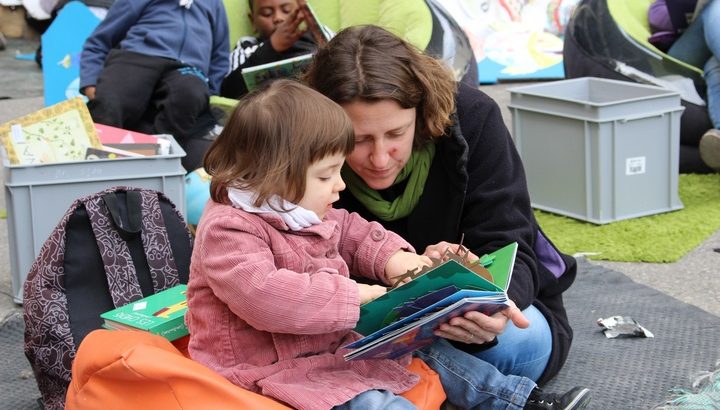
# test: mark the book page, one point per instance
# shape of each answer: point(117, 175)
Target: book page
point(62, 132)
point(373, 314)
point(256, 75)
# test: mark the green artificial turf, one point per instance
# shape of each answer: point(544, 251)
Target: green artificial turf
point(660, 238)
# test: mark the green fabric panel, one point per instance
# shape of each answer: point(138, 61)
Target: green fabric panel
point(409, 19)
point(631, 17)
point(238, 21)
point(355, 13)
point(328, 12)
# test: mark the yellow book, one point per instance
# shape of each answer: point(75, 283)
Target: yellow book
point(59, 133)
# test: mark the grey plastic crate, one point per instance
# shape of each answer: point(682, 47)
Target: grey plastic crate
point(598, 150)
point(37, 196)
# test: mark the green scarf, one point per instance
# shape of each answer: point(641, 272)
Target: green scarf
point(415, 171)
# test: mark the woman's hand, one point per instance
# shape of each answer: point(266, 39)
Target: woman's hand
point(438, 250)
point(370, 292)
point(475, 327)
point(287, 32)
point(401, 262)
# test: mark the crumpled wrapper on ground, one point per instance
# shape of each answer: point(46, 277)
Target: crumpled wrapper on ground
point(622, 326)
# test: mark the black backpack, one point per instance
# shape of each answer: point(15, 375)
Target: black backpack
point(109, 249)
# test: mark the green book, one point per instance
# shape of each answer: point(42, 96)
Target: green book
point(381, 312)
point(162, 314)
point(289, 68)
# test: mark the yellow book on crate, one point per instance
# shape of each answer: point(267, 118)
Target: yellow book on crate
point(59, 133)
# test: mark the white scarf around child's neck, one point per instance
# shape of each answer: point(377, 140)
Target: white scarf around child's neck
point(296, 218)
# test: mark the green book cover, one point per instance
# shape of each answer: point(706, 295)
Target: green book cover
point(162, 314)
point(377, 314)
point(288, 68)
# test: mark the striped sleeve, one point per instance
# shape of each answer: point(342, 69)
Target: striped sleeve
point(245, 47)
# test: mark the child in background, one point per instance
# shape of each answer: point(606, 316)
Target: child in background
point(151, 66)
point(270, 297)
point(277, 23)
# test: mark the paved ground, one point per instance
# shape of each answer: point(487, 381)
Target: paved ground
point(695, 279)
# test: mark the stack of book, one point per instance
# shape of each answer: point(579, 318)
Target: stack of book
point(65, 132)
point(120, 143)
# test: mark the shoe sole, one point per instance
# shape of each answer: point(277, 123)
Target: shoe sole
point(710, 149)
point(580, 401)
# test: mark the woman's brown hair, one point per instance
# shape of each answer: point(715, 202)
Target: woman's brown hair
point(368, 63)
point(272, 137)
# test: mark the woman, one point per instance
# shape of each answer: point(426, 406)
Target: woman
point(434, 162)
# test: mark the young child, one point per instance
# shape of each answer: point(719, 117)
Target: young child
point(279, 36)
point(270, 297)
point(151, 66)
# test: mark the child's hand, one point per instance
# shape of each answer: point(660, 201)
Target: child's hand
point(287, 32)
point(401, 262)
point(438, 250)
point(370, 292)
point(89, 92)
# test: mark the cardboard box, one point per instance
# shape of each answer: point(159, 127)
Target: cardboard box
point(12, 21)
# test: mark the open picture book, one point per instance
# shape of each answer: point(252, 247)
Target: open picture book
point(290, 67)
point(404, 319)
point(59, 133)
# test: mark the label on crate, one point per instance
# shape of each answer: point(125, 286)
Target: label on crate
point(635, 166)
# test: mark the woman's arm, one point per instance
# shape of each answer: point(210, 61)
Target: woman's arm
point(497, 204)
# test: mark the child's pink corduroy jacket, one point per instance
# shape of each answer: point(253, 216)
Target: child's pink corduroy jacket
point(270, 307)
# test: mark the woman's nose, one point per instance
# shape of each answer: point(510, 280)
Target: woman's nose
point(380, 155)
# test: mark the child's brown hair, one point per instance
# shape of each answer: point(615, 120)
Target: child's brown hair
point(272, 137)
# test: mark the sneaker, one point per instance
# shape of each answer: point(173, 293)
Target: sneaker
point(575, 398)
point(710, 149)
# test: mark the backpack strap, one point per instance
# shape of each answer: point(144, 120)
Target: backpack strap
point(119, 268)
point(144, 216)
point(156, 243)
point(133, 209)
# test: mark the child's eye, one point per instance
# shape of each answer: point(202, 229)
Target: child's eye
point(324, 179)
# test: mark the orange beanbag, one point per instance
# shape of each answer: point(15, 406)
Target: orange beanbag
point(123, 369)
